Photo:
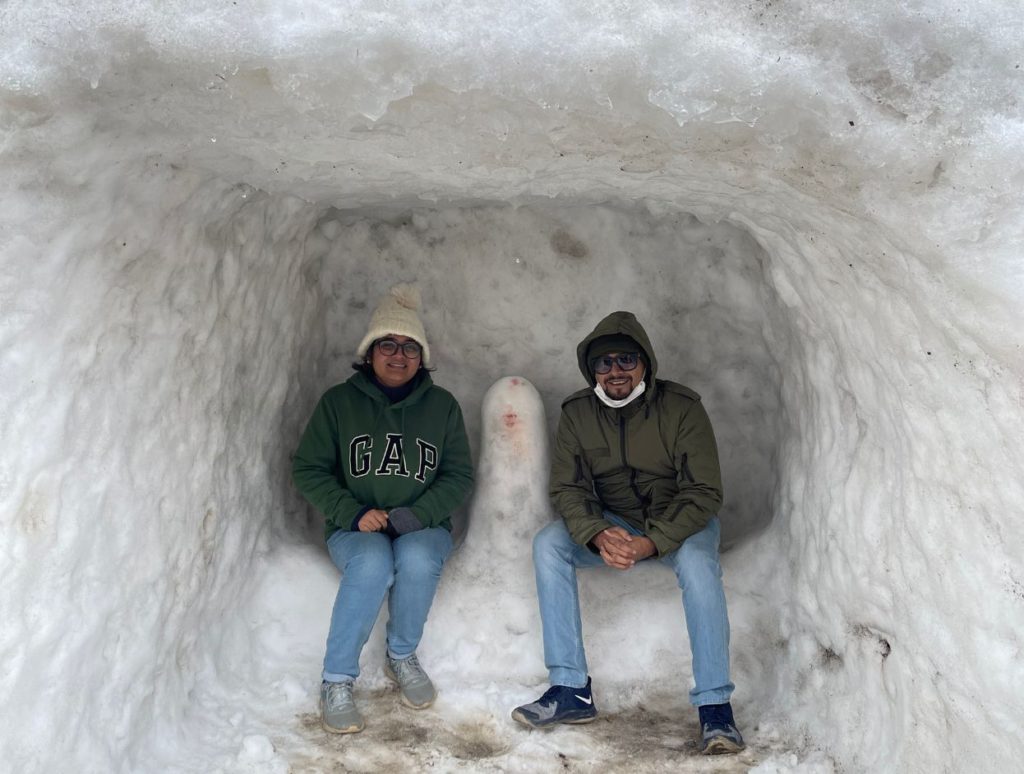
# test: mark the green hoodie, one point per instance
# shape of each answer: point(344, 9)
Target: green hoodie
point(653, 462)
point(360, 451)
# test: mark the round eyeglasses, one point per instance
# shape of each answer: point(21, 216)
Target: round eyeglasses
point(627, 361)
point(390, 347)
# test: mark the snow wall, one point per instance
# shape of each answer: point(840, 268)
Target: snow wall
point(815, 209)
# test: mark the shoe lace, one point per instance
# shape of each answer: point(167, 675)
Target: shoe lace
point(717, 715)
point(408, 670)
point(339, 695)
point(552, 695)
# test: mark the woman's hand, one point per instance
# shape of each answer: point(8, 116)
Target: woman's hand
point(373, 520)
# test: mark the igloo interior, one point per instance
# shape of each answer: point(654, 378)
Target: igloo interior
point(815, 210)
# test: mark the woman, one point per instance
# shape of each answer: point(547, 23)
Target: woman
point(386, 460)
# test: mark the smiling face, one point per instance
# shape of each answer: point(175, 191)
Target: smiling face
point(397, 369)
point(617, 384)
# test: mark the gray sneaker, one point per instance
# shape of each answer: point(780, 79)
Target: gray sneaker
point(417, 690)
point(338, 712)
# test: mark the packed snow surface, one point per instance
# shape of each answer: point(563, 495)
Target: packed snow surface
point(816, 210)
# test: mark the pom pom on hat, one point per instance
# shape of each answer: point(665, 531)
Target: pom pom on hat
point(396, 315)
point(407, 296)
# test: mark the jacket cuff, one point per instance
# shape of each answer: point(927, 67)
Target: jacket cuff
point(358, 516)
point(590, 531)
point(662, 544)
point(404, 520)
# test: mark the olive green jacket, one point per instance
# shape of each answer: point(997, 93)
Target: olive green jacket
point(653, 462)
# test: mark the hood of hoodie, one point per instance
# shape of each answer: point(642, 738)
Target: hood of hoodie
point(618, 324)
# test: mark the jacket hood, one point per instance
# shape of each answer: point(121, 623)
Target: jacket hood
point(618, 324)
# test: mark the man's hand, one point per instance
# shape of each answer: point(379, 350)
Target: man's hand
point(621, 550)
point(373, 521)
point(643, 547)
point(613, 545)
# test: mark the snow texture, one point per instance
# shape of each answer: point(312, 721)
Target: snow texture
point(814, 207)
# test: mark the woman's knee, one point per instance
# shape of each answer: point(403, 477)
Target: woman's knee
point(369, 561)
point(420, 558)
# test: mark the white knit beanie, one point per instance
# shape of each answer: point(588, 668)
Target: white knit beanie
point(396, 316)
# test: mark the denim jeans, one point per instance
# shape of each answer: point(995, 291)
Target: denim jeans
point(695, 563)
point(371, 564)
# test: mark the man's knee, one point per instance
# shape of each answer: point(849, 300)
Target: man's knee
point(696, 566)
point(552, 543)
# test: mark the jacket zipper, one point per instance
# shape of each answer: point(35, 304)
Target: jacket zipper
point(687, 473)
point(641, 498)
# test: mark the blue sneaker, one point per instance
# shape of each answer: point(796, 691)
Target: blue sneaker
point(718, 732)
point(559, 704)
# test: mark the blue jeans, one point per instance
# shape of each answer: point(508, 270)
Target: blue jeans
point(371, 564)
point(695, 563)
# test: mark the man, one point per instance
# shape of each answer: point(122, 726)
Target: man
point(634, 475)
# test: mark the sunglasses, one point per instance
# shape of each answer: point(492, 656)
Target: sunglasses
point(627, 361)
point(390, 347)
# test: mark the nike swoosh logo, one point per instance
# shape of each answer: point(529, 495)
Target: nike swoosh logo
point(544, 712)
point(585, 701)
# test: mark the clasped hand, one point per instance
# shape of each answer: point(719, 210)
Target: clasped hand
point(373, 520)
point(621, 550)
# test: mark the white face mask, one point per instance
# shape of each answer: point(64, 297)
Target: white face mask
point(637, 392)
